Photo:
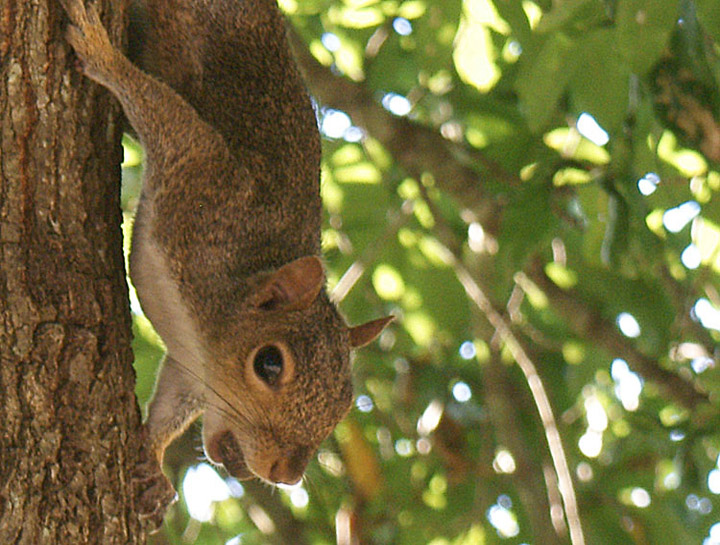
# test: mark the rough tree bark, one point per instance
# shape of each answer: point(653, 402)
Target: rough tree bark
point(69, 422)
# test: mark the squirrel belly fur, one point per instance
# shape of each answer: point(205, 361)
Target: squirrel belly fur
point(226, 244)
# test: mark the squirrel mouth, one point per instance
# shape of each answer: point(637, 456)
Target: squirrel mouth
point(225, 449)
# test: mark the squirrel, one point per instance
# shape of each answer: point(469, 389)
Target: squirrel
point(226, 250)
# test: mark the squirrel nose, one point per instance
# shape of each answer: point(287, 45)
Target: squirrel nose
point(289, 469)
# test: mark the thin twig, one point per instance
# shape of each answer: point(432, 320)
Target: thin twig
point(542, 402)
point(537, 390)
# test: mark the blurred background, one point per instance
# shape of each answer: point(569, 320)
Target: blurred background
point(532, 188)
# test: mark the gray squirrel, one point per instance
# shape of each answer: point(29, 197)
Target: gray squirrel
point(226, 242)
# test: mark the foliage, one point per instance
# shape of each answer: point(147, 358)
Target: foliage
point(531, 187)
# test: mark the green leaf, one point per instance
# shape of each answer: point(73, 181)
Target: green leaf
point(600, 82)
point(542, 80)
point(709, 15)
point(643, 31)
point(528, 222)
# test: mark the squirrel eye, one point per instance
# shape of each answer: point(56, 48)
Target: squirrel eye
point(268, 364)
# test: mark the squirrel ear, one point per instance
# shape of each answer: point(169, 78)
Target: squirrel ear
point(364, 334)
point(294, 286)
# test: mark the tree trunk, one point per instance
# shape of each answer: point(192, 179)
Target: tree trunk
point(69, 422)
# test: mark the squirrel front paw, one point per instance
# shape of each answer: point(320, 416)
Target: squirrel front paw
point(154, 494)
point(89, 39)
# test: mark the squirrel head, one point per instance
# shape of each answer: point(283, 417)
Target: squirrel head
point(283, 377)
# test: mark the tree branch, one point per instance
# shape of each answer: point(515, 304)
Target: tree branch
point(416, 147)
point(501, 396)
point(590, 324)
point(552, 434)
